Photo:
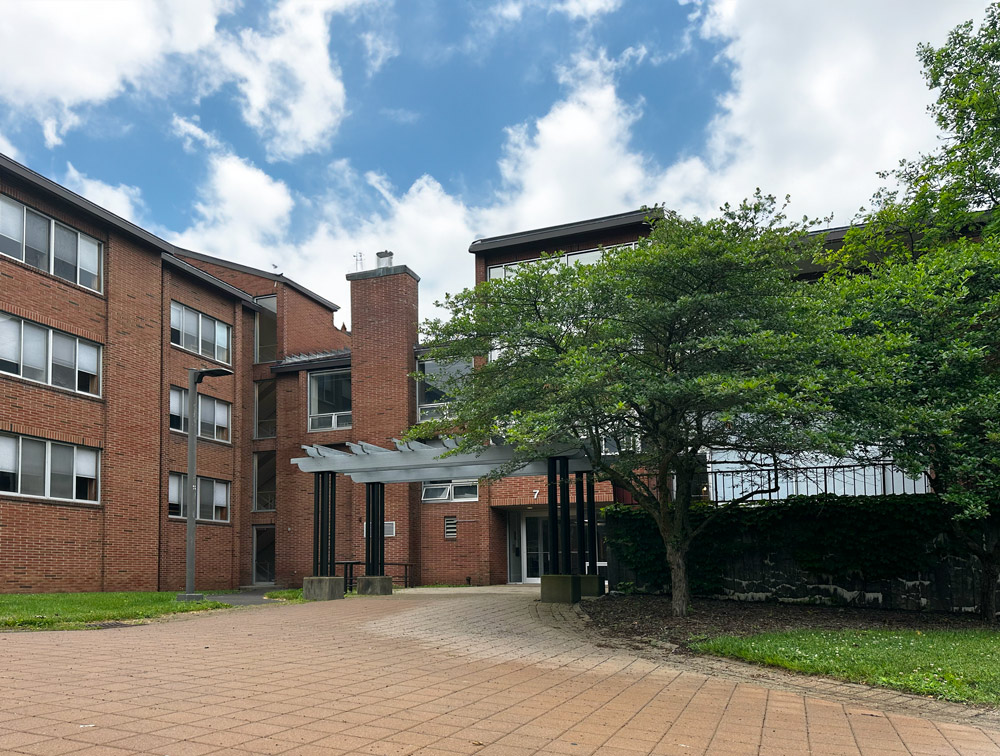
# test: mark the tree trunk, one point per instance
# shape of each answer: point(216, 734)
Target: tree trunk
point(988, 589)
point(680, 593)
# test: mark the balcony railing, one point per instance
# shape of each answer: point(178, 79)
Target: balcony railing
point(431, 411)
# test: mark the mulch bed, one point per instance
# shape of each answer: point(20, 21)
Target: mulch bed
point(645, 619)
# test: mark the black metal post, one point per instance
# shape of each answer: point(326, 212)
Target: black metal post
point(316, 530)
point(324, 525)
point(380, 533)
point(592, 524)
point(581, 528)
point(566, 567)
point(368, 528)
point(553, 519)
point(332, 557)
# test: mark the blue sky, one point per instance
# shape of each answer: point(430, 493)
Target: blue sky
point(294, 135)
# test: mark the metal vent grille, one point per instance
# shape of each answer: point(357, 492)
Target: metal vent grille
point(451, 527)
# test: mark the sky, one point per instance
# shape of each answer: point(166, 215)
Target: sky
point(302, 137)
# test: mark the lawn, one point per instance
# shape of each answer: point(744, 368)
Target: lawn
point(957, 665)
point(68, 611)
point(291, 595)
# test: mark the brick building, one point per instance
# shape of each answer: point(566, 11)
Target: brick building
point(100, 321)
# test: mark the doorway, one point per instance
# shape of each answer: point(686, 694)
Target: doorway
point(528, 546)
point(263, 555)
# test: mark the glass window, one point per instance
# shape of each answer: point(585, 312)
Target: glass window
point(10, 344)
point(189, 334)
point(176, 320)
point(206, 417)
point(63, 361)
point(88, 358)
point(32, 467)
point(86, 474)
point(330, 400)
point(36, 240)
point(264, 481)
point(177, 492)
point(431, 399)
point(221, 421)
point(450, 490)
point(222, 342)
point(61, 472)
point(208, 336)
point(178, 409)
point(8, 463)
point(213, 415)
point(65, 253)
point(267, 329)
point(11, 228)
point(35, 352)
point(90, 263)
point(266, 410)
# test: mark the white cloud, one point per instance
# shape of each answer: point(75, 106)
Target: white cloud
point(291, 92)
point(7, 148)
point(588, 10)
point(88, 53)
point(123, 200)
point(243, 214)
point(400, 115)
point(379, 50)
point(190, 132)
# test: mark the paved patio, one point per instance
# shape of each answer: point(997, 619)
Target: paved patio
point(429, 673)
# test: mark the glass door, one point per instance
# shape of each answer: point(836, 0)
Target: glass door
point(536, 548)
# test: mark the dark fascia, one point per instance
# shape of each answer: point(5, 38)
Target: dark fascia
point(605, 223)
point(322, 363)
point(168, 252)
point(279, 277)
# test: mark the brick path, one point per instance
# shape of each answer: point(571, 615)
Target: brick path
point(431, 674)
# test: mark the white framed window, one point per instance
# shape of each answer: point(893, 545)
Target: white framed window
point(330, 400)
point(450, 490)
point(199, 333)
point(213, 498)
point(48, 469)
point(583, 257)
point(266, 337)
point(388, 529)
point(48, 245)
point(265, 478)
point(432, 402)
point(213, 415)
point(48, 356)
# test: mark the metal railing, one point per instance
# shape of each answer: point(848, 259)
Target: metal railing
point(770, 484)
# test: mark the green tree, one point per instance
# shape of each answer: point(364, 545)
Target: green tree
point(701, 337)
point(931, 261)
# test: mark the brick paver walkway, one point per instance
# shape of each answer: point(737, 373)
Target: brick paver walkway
point(429, 674)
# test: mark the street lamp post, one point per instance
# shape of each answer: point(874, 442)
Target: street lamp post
point(195, 376)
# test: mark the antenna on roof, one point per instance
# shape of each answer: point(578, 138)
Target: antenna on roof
point(359, 260)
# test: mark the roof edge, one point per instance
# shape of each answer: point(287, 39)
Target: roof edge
point(604, 223)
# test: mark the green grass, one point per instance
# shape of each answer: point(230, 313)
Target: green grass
point(957, 665)
point(68, 611)
point(291, 595)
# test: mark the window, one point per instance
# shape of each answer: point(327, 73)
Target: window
point(584, 257)
point(48, 356)
point(213, 415)
point(451, 528)
point(213, 498)
point(330, 400)
point(450, 490)
point(432, 401)
point(33, 467)
point(264, 481)
point(265, 409)
point(267, 329)
point(48, 245)
point(388, 529)
point(191, 330)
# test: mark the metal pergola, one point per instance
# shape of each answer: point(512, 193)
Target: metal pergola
point(416, 462)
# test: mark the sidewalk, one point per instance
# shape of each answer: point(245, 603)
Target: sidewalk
point(431, 673)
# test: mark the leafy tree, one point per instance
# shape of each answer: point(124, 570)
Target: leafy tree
point(931, 260)
point(699, 338)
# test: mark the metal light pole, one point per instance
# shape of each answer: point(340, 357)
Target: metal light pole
point(195, 376)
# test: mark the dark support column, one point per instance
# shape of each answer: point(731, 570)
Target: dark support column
point(380, 532)
point(368, 528)
point(332, 556)
point(324, 526)
point(316, 529)
point(581, 529)
point(592, 523)
point(553, 519)
point(566, 567)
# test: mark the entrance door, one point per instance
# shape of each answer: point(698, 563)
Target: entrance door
point(263, 554)
point(536, 547)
